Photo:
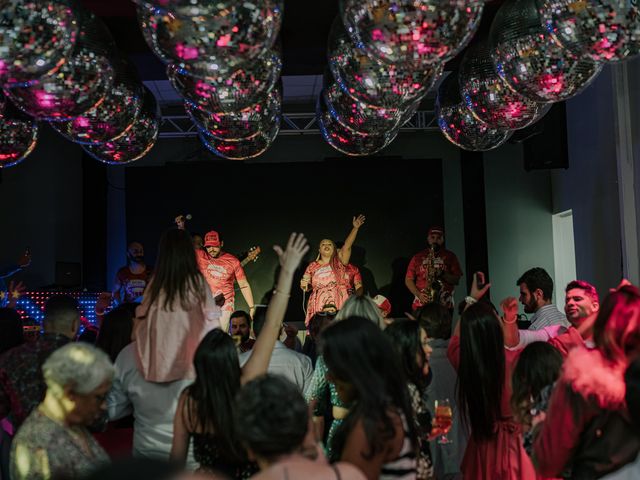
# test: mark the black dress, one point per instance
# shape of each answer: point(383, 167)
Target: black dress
point(212, 457)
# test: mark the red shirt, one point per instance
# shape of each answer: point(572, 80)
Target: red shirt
point(444, 261)
point(221, 273)
point(133, 284)
point(353, 277)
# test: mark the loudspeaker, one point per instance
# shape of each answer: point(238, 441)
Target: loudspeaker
point(68, 274)
point(544, 144)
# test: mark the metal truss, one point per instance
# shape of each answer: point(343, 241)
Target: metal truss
point(181, 126)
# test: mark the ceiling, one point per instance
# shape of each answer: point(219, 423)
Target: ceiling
point(303, 37)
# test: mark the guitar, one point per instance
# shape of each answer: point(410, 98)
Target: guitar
point(252, 256)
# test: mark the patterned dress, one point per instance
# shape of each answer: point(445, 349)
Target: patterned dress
point(422, 418)
point(328, 286)
point(317, 391)
point(44, 449)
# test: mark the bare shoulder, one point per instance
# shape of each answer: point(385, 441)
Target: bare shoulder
point(349, 472)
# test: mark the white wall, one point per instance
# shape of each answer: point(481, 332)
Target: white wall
point(589, 186)
point(519, 229)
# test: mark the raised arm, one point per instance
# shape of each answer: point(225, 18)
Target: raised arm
point(344, 254)
point(297, 247)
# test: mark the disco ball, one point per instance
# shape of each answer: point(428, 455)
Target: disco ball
point(412, 32)
point(113, 117)
point(245, 148)
point(35, 38)
point(457, 123)
point(371, 81)
point(18, 134)
point(602, 30)
point(235, 126)
point(136, 142)
point(489, 98)
point(346, 140)
point(80, 84)
point(359, 116)
point(206, 45)
point(530, 61)
point(239, 89)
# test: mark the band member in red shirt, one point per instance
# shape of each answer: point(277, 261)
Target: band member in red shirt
point(221, 270)
point(433, 273)
point(132, 279)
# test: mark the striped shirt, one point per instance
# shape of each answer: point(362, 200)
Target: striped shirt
point(547, 316)
point(405, 465)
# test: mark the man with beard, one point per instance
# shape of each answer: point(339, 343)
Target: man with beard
point(433, 273)
point(241, 330)
point(536, 289)
point(581, 308)
point(132, 279)
point(221, 270)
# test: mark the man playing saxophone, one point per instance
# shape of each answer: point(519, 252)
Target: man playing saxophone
point(433, 273)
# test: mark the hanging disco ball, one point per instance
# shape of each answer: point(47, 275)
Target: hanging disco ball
point(245, 148)
point(359, 116)
point(113, 117)
point(346, 140)
point(18, 135)
point(530, 61)
point(412, 32)
point(602, 30)
point(242, 125)
point(489, 98)
point(239, 89)
point(35, 38)
point(138, 140)
point(80, 84)
point(207, 45)
point(371, 81)
point(457, 123)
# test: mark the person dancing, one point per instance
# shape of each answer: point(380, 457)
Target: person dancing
point(326, 275)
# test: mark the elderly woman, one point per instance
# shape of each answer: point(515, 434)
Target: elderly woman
point(54, 441)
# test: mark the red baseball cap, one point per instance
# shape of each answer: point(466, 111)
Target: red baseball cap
point(212, 239)
point(383, 303)
point(436, 229)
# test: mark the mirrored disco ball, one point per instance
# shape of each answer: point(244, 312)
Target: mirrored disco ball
point(374, 82)
point(80, 84)
point(18, 135)
point(193, 8)
point(235, 126)
point(207, 45)
point(359, 116)
point(489, 98)
point(239, 89)
point(113, 117)
point(245, 148)
point(346, 140)
point(457, 123)
point(530, 61)
point(413, 32)
point(136, 142)
point(35, 38)
point(603, 30)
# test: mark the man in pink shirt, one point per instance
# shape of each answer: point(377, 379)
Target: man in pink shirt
point(221, 270)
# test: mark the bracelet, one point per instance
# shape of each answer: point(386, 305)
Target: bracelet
point(252, 308)
point(280, 292)
point(469, 300)
point(510, 323)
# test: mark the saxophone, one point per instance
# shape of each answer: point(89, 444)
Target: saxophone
point(434, 284)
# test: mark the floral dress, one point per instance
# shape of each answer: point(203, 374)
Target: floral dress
point(328, 286)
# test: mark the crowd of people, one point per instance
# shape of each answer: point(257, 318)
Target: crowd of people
point(192, 388)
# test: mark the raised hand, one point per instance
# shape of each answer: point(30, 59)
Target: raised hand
point(25, 260)
point(358, 221)
point(297, 248)
point(476, 292)
point(180, 221)
point(509, 307)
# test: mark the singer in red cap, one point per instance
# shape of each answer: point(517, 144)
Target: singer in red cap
point(433, 273)
point(221, 270)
